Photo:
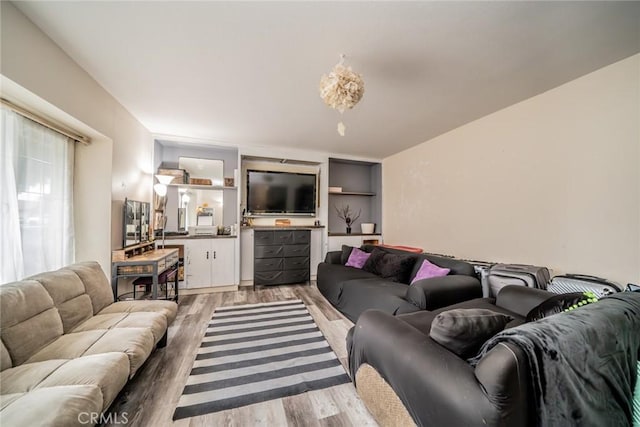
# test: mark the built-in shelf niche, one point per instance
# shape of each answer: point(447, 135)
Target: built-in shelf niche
point(361, 184)
point(167, 154)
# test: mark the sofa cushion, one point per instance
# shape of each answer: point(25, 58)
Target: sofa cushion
point(6, 399)
point(357, 259)
point(69, 296)
point(168, 308)
point(463, 331)
point(390, 266)
point(109, 371)
point(28, 319)
point(68, 346)
point(331, 278)
point(155, 322)
point(26, 377)
point(429, 270)
point(455, 265)
point(95, 283)
point(53, 406)
point(5, 358)
point(377, 293)
point(136, 343)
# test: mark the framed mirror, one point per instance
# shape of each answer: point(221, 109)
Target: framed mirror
point(203, 171)
point(135, 222)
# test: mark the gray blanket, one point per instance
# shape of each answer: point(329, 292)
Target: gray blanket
point(582, 363)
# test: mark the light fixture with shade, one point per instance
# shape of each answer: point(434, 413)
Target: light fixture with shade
point(341, 89)
point(161, 190)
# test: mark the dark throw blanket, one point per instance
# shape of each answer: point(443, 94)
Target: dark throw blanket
point(582, 363)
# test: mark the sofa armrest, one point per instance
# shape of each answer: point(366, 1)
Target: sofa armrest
point(520, 299)
point(429, 294)
point(435, 386)
point(334, 257)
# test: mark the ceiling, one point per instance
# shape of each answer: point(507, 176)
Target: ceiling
point(247, 73)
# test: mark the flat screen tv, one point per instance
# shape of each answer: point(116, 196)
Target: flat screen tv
point(281, 193)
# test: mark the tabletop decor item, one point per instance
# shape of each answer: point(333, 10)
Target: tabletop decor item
point(345, 214)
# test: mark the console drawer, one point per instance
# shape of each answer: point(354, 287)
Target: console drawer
point(267, 277)
point(296, 263)
point(268, 251)
point(283, 237)
point(296, 276)
point(301, 236)
point(296, 250)
point(268, 264)
point(263, 238)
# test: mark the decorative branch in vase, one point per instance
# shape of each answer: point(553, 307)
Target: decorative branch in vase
point(345, 214)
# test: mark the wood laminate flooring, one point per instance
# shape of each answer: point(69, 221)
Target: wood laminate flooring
point(150, 398)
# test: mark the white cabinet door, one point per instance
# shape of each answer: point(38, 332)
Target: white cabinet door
point(223, 266)
point(198, 263)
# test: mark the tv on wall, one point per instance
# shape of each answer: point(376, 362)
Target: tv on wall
point(281, 193)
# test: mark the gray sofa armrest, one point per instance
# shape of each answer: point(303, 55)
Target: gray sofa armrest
point(419, 370)
point(520, 299)
point(429, 294)
point(333, 257)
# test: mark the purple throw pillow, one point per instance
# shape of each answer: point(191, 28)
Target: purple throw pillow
point(357, 258)
point(429, 270)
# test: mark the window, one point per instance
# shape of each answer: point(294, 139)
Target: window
point(36, 198)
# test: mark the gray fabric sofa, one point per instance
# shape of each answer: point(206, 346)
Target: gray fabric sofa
point(352, 290)
point(67, 349)
point(581, 364)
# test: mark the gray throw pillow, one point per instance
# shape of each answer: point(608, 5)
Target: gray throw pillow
point(463, 331)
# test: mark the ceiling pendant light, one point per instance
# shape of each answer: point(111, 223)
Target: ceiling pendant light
point(341, 89)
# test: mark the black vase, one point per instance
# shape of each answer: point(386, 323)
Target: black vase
point(348, 230)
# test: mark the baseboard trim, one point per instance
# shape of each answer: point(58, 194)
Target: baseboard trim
point(229, 288)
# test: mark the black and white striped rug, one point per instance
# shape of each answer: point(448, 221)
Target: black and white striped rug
point(258, 352)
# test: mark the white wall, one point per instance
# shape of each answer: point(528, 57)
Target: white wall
point(119, 162)
point(553, 180)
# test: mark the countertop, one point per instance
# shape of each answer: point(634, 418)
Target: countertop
point(281, 227)
point(354, 234)
point(199, 236)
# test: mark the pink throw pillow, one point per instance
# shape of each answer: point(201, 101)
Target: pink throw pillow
point(429, 270)
point(357, 258)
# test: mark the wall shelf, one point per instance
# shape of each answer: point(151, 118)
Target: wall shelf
point(202, 187)
point(363, 184)
point(350, 193)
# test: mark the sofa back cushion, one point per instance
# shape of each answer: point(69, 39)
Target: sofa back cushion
point(396, 267)
point(28, 319)
point(455, 266)
point(95, 283)
point(69, 296)
point(5, 358)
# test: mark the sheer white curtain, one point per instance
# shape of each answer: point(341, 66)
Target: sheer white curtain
point(36, 198)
